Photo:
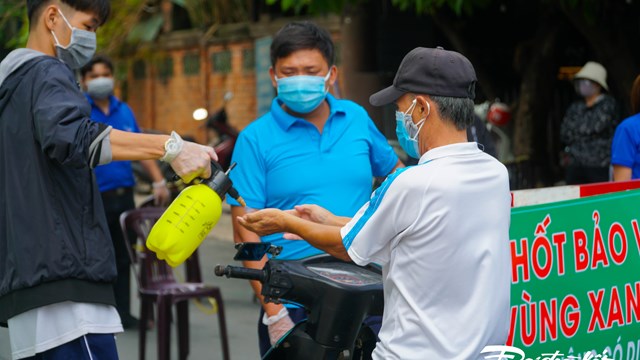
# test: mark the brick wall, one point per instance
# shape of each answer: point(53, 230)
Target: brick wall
point(164, 90)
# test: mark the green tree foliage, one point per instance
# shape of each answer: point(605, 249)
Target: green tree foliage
point(113, 34)
point(315, 6)
point(13, 24)
point(417, 6)
point(205, 13)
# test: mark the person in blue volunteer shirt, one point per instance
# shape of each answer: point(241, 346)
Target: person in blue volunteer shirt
point(115, 180)
point(309, 148)
point(625, 149)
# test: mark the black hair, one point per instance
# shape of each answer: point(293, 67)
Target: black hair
point(101, 8)
point(98, 59)
point(301, 35)
point(458, 111)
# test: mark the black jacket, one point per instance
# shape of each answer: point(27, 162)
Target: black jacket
point(54, 241)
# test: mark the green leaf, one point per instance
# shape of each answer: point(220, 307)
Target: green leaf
point(146, 30)
point(287, 4)
point(457, 7)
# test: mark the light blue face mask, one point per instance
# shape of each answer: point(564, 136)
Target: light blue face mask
point(302, 93)
point(408, 131)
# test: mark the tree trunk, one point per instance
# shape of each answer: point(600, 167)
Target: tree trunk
point(453, 30)
point(535, 62)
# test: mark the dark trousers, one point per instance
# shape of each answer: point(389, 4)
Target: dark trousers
point(297, 315)
point(90, 346)
point(579, 174)
point(115, 203)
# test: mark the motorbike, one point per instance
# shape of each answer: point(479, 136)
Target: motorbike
point(496, 115)
point(336, 295)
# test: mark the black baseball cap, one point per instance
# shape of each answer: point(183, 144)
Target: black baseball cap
point(430, 71)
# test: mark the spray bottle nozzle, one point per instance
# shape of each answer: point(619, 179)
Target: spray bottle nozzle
point(234, 194)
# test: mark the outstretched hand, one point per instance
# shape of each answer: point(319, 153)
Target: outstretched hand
point(314, 213)
point(264, 222)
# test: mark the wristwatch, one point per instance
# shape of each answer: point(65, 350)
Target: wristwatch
point(172, 147)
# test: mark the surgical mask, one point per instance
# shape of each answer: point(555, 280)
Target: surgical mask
point(100, 88)
point(408, 131)
point(586, 88)
point(302, 93)
point(81, 48)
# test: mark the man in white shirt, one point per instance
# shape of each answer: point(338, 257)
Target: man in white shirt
point(439, 229)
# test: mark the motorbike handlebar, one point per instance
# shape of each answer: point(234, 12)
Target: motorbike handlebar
point(240, 273)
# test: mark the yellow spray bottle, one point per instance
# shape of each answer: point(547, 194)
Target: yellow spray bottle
point(190, 217)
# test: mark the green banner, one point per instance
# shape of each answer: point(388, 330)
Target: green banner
point(576, 278)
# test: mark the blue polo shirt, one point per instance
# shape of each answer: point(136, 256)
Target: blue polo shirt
point(625, 149)
point(117, 173)
point(283, 161)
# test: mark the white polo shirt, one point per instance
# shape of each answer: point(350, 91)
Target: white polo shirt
point(440, 230)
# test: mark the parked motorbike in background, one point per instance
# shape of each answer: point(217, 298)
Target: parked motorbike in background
point(496, 114)
point(220, 135)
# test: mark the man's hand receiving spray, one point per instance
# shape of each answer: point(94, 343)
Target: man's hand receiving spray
point(271, 221)
point(316, 214)
point(264, 222)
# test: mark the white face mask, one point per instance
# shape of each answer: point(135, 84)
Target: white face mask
point(586, 88)
point(81, 48)
point(100, 88)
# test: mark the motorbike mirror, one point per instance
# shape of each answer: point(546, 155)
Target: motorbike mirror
point(255, 251)
point(200, 114)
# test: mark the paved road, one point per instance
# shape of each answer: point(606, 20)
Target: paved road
point(241, 311)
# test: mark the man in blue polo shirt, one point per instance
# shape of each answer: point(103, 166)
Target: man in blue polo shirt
point(115, 180)
point(311, 148)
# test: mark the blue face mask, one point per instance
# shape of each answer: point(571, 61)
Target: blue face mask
point(408, 131)
point(302, 93)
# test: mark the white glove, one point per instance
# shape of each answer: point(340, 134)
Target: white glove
point(278, 325)
point(189, 160)
point(160, 193)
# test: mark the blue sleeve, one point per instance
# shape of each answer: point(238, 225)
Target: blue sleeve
point(381, 155)
point(61, 116)
point(248, 176)
point(624, 147)
point(375, 230)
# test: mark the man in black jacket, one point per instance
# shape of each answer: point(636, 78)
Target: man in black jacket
point(56, 258)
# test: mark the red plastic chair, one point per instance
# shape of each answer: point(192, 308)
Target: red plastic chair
point(156, 284)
